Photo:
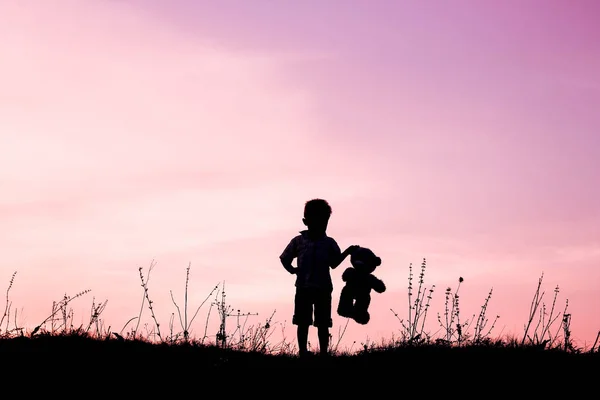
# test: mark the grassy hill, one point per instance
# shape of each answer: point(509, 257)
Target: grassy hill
point(464, 360)
point(214, 356)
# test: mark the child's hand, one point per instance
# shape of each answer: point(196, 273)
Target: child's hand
point(294, 270)
point(352, 248)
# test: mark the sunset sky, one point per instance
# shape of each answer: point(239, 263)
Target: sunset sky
point(192, 132)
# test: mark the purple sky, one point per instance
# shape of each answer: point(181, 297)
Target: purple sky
point(465, 132)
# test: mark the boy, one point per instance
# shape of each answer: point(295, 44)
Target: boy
point(316, 253)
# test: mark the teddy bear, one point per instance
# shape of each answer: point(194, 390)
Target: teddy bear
point(355, 296)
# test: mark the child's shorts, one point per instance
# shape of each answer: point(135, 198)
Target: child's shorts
point(309, 300)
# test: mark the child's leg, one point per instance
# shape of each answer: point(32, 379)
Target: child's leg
point(323, 319)
point(302, 335)
point(303, 311)
point(323, 333)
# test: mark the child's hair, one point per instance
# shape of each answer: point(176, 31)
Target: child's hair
point(317, 208)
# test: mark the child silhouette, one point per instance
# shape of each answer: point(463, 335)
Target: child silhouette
point(315, 253)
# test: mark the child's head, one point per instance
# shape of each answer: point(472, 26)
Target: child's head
point(316, 215)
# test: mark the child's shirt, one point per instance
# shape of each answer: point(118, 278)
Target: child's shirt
point(314, 258)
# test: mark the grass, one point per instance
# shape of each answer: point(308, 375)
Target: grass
point(469, 342)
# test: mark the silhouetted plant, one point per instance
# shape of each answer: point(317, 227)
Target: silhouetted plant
point(542, 334)
point(6, 314)
point(451, 322)
point(226, 311)
point(59, 307)
point(335, 348)
point(146, 298)
point(243, 331)
point(546, 321)
point(95, 313)
point(595, 342)
point(479, 336)
point(256, 339)
point(457, 332)
point(129, 334)
point(284, 347)
point(184, 322)
point(413, 328)
point(566, 324)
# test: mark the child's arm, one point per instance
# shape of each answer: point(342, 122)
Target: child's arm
point(342, 256)
point(288, 266)
point(289, 253)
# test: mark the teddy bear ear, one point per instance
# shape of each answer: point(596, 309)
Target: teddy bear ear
point(378, 261)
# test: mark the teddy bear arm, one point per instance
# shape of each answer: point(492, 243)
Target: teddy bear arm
point(377, 285)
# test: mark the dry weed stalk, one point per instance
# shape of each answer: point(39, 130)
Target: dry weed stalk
point(451, 323)
point(226, 311)
point(95, 312)
point(146, 298)
point(183, 321)
point(6, 314)
point(479, 336)
point(60, 306)
point(542, 335)
point(414, 327)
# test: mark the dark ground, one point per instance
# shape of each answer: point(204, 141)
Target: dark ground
point(110, 366)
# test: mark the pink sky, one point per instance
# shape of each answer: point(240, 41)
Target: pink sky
point(194, 131)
